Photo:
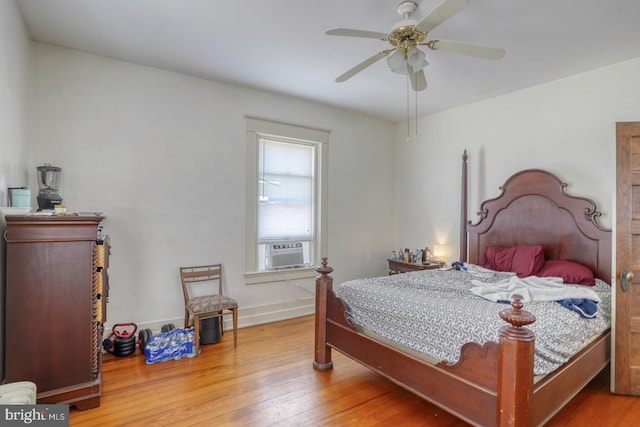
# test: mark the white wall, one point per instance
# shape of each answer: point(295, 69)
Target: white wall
point(14, 86)
point(566, 126)
point(14, 115)
point(163, 155)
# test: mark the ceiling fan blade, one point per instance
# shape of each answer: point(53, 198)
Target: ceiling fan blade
point(348, 32)
point(361, 66)
point(441, 13)
point(467, 49)
point(418, 80)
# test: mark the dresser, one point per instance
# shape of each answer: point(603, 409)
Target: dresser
point(56, 296)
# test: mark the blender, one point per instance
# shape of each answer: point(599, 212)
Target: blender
point(49, 183)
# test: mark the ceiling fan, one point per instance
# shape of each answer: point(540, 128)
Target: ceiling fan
point(404, 57)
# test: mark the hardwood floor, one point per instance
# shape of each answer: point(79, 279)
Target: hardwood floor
point(269, 380)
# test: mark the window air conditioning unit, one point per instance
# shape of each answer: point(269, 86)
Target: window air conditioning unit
point(285, 254)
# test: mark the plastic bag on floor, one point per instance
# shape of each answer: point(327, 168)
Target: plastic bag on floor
point(171, 345)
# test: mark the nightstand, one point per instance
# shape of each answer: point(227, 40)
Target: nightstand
point(397, 266)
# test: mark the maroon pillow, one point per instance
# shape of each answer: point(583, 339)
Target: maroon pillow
point(497, 258)
point(571, 272)
point(522, 260)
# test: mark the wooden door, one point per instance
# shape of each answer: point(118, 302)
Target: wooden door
point(626, 351)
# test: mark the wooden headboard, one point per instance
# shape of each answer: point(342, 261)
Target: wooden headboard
point(534, 209)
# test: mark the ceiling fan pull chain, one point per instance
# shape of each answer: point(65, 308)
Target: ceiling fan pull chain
point(416, 111)
point(408, 113)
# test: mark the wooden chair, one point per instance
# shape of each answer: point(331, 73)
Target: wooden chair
point(203, 298)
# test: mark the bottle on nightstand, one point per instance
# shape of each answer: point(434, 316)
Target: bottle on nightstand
point(427, 254)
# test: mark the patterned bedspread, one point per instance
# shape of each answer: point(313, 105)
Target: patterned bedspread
point(435, 313)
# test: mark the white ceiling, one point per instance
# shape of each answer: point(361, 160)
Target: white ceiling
point(280, 45)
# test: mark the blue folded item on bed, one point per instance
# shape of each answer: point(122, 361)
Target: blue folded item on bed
point(584, 307)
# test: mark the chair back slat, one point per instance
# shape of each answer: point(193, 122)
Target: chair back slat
point(202, 273)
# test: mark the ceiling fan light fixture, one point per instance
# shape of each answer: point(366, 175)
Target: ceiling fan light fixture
point(397, 62)
point(416, 58)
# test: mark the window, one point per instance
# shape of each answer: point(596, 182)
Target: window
point(286, 190)
point(285, 195)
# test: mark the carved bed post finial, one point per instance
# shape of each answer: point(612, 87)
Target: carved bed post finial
point(324, 285)
point(324, 269)
point(515, 365)
point(517, 317)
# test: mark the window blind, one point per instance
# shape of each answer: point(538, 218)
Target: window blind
point(285, 190)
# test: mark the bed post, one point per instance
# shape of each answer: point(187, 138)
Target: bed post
point(463, 210)
point(515, 366)
point(324, 285)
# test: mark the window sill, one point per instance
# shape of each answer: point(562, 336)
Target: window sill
point(256, 277)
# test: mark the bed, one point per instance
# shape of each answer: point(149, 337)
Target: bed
point(493, 383)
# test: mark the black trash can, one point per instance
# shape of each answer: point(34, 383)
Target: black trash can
point(210, 330)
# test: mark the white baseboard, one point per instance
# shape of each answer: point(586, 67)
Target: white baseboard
point(261, 314)
point(247, 316)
